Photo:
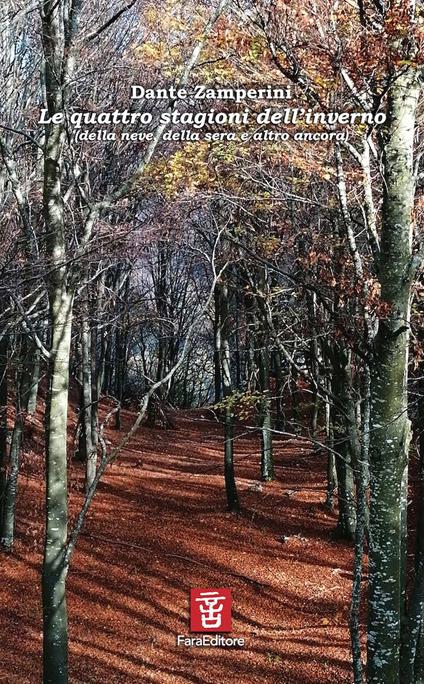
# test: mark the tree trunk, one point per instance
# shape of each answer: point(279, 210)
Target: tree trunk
point(55, 629)
point(294, 399)
point(331, 459)
point(389, 424)
point(31, 376)
point(267, 460)
point(279, 386)
point(362, 522)
point(88, 454)
point(230, 481)
point(107, 351)
point(55, 653)
point(217, 323)
point(8, 521)
point(4, 345)
point(314, 362)
point(95, 391)
point(261, 325)
point(340, 386)
point(121, 343)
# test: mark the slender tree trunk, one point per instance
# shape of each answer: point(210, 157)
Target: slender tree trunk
point(251, 366)
point(295, 400)
point(95, 391)
point(267, 460)
point(362, 522)
point(120, 361)
point(8, 522)
point(279, 385)
point(230, 481)
point(314, 363)
point(101, 372)
point(121, 346)
point(87, 451)
point(30, 376)
point(342, 441)
point(4, 345)
point(237, 354)
point(108, 338)
point(217, 324)
point(263, 362)
point(31, 402)
point(355, 624)
point(331, 459)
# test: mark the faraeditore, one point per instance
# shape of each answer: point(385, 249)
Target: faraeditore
point(208, 640)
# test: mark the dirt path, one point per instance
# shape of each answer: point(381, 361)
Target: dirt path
point(158, 526)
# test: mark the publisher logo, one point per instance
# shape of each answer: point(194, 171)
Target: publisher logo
point(210, 610)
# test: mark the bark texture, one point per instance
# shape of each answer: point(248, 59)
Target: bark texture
point(389, 423)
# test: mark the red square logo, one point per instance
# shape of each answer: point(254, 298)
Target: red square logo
point(210, 610)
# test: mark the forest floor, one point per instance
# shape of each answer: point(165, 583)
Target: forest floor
point(157, 527)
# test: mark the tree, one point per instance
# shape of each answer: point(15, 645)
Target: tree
point(390, 425)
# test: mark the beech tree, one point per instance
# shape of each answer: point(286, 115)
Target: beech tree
point(390, 426)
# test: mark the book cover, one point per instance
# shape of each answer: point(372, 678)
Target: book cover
point(211, 344)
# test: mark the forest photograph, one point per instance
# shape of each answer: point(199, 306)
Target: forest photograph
point(211, 342)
